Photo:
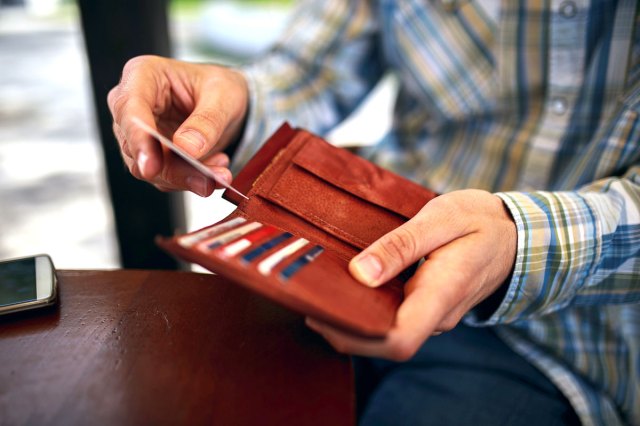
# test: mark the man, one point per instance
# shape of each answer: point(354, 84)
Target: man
point(534, 105)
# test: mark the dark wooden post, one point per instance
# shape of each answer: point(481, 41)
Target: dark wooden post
point(115, 31)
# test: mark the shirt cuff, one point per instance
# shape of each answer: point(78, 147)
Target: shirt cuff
point(557, 249)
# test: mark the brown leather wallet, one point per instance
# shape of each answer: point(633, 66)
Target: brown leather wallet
point(311, 208)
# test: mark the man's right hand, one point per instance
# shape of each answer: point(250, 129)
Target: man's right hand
point(200, 107)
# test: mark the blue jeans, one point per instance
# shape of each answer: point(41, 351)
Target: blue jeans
point(467, 376)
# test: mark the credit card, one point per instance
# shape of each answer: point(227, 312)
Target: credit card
point(184, 155)
point(270, 262)
point(301, 261)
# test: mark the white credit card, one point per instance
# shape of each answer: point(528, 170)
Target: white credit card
point(184, 155)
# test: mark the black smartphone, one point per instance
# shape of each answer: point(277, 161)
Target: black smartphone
point(27, 283)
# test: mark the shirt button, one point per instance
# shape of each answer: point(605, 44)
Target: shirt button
point(568, 9)
point(559, 105)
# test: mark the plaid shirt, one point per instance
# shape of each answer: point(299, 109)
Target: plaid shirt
point(537, 101)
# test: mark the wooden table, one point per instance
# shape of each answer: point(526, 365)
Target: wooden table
point(157, 347)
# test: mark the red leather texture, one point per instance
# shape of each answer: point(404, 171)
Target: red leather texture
point(302, 185)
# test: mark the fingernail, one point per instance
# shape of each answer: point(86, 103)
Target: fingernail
point(198, 185)
point(367, 269)
point(194, 138)
point(143, 158)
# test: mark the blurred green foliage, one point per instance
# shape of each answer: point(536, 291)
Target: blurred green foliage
point(200, 2)
point(189, 7)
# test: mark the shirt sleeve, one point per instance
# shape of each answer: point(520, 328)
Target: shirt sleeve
point(321, 68)
point(578, 247)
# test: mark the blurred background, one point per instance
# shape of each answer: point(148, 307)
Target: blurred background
point(55, 185)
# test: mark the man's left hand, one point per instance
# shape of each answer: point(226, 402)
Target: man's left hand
point(468, 239)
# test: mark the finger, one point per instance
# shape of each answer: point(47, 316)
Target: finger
point(164, 188)
point(468, 271)
point(215, 112)
point(202, 129)
point(432, 227)
point(138, 81)
point(128, 161)
point(346, 343)
point(454, 279)
point(122, 141)
point(399, 344)
point(198, 184)
point(422, 309)
point(432, 298)
point(135, 96)
point(416, 320)
point(142, 147)
point(180, 175)
point(219, 159)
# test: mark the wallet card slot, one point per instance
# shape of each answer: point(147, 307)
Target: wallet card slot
point(228, 236)
point(238, 246)
point(193, 238)
point(260, 246)
point(263, 248)
point(291, 269)
point(300, 274)
point(264, 245)
point(268, 211)
point(269, 263)
point(325, 283)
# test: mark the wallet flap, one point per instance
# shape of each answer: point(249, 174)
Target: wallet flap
point(362, 178)
point(256, 165)
point(332, 209)
point(335, 192)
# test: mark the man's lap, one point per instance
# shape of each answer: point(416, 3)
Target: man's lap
point(467, 376)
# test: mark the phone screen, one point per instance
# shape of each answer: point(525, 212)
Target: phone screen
point(18, 281)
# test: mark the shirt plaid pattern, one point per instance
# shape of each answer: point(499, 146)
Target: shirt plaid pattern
point(538, 103)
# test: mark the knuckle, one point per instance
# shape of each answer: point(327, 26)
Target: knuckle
point(400, 244)
point(111, 98)
point(402, 351)
point(163, 188)
point(167, 176)
point(126, 151)
point(116, 132)
point(119, 134)
point(449, 323)
point(136, 62)
point(134, 68)
point(116, 101)
point(454, 294)
point(214, 121)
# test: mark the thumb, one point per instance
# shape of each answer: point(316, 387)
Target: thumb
point(221, 101)
point(388, 256)
point(395, 251)
point(201, 130)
